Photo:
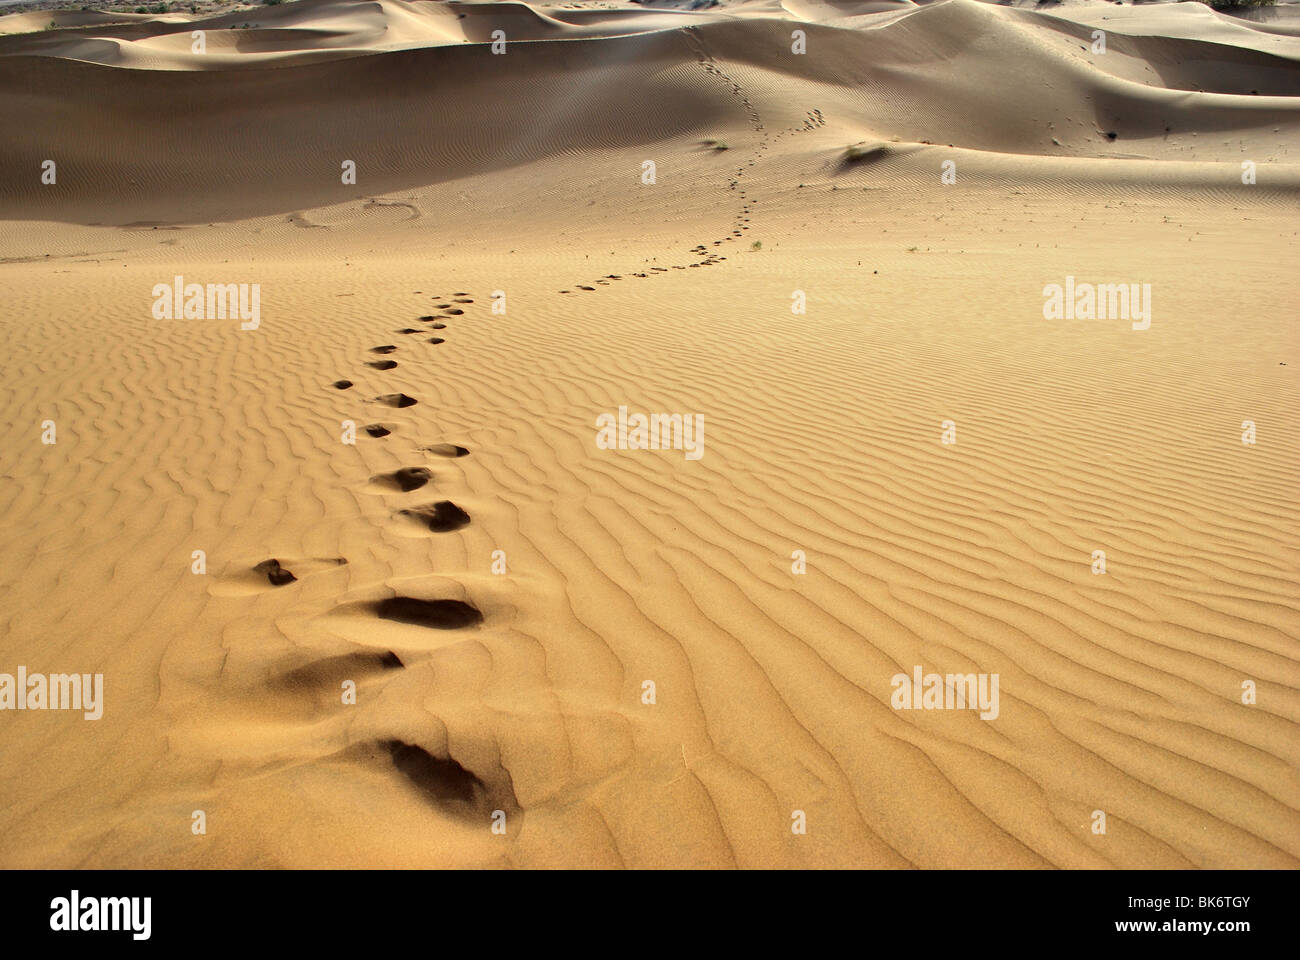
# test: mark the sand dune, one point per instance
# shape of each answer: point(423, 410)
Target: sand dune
point(499, 589)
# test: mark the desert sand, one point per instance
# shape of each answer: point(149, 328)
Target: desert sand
point(914, 180)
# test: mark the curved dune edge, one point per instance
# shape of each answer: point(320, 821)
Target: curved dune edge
point(411, 108)
point(512, 688)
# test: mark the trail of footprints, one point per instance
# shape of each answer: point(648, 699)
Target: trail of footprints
point(441, 516)
point(740, 224)
point(442, 779)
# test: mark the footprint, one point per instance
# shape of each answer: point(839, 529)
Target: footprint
point(383, 364)
point(443, 780)
point(275, 573)
point(450, 787)
point(377, 430)
point(437, 340)
point(329, 672)
point(408, 330)
point(396, 400)
point(405, 479)
point(447, 450)
point(435, 614)
point(455, 312)
point(242, 580)
point(441, 517)
point(341, 384)
point(386, 348)
point(463, 301)
point(440, 306)
point(438, 326)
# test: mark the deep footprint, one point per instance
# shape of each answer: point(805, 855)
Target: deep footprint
point(440, 779)
point(405, 479)
point(341, 384)
point(378, 430)
point(383, 364)
point(447, 450)
point(441, 517)
point(330, 671)
point(274, 572)
point(396, 400)
point(386, 348)
point(436, 614)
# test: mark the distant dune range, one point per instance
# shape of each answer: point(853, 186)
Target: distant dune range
point(498, 588)
point(263, 119)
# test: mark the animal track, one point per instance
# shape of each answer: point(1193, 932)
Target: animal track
point(441, 517)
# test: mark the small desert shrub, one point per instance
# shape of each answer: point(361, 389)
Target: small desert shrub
point(756, 245)
point(1236, 4)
